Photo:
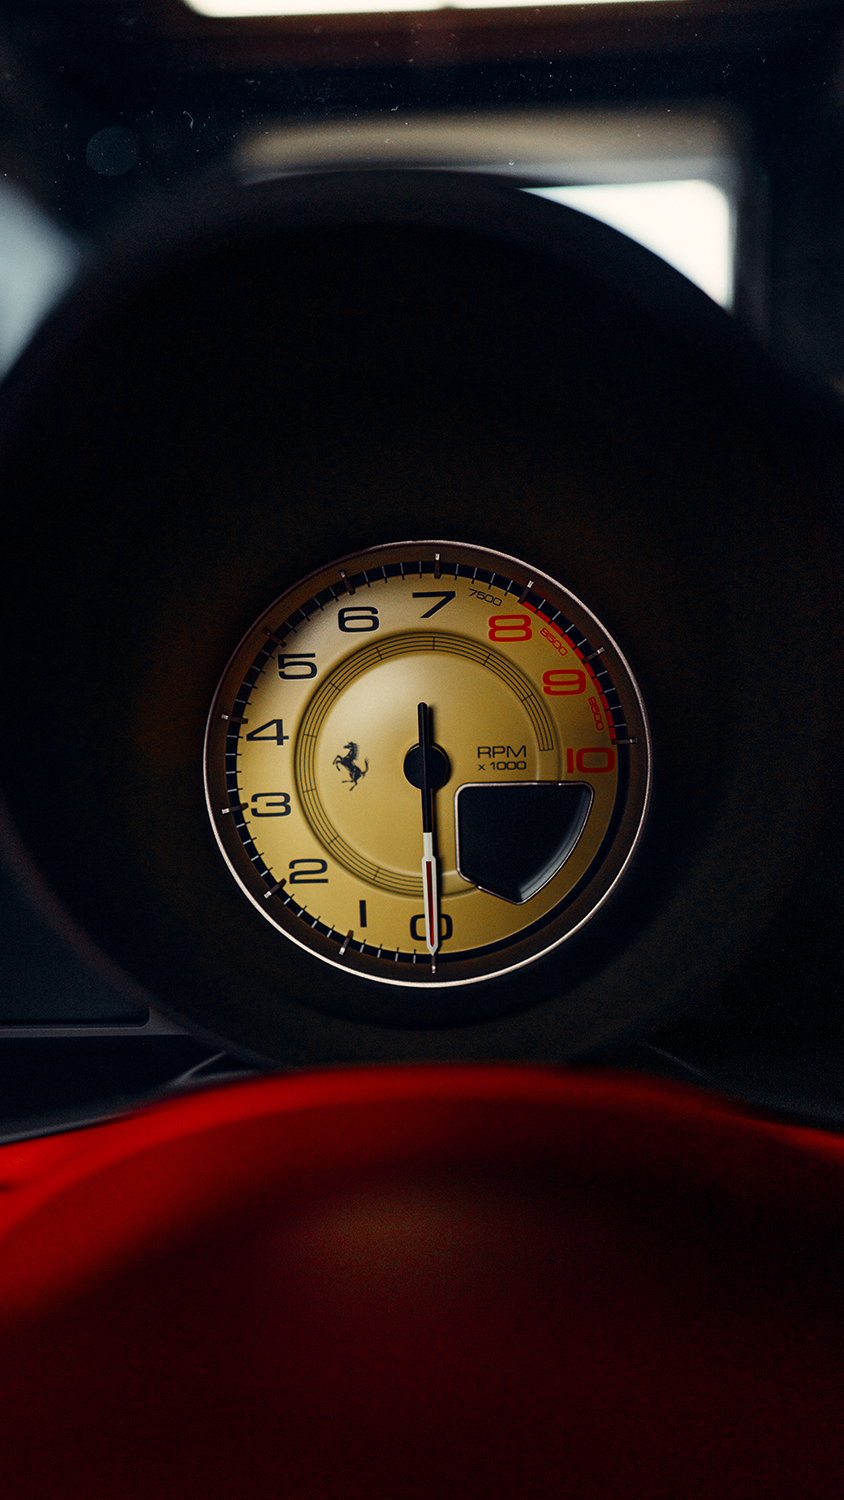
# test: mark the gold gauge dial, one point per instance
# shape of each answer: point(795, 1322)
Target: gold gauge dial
point(427, 764)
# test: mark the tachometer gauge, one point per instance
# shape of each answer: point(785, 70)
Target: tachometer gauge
point(427, 764)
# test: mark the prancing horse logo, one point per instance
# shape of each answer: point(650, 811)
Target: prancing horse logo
point(347, 763)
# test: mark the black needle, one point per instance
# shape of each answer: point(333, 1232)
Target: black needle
point(429, 862)
point(427, 767)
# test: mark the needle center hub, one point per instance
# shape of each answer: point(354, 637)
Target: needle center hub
point(429, 767)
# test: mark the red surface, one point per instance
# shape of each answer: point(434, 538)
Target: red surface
point(433, 1281)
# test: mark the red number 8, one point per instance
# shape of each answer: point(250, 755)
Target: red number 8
point(509, 628)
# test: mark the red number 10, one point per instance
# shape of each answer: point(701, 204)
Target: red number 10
point(563, 680)
point(600, 759)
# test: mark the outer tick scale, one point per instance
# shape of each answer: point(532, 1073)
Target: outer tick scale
point(427, 764)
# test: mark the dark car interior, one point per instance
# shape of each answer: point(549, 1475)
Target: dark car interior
point(524, 309)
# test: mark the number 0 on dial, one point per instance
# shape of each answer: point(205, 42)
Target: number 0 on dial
point(427, 764)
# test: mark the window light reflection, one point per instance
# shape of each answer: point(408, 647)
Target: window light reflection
point(687, 223)
point(236, 8)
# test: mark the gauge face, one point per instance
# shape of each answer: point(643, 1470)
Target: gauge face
point(427, 764)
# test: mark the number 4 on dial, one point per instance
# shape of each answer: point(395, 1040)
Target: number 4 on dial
point(276, 726)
